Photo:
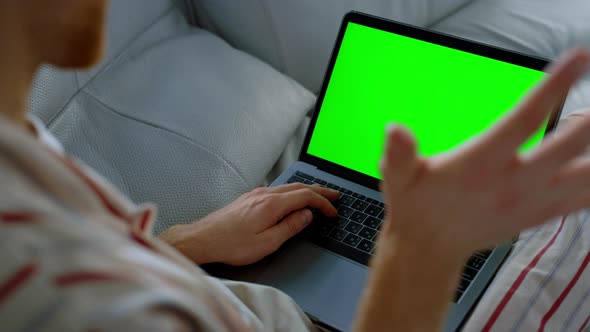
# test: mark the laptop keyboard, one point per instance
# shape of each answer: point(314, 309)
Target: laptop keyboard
point(353, 234)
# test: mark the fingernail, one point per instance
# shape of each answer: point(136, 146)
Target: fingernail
point(307, 216)
point(390, 127)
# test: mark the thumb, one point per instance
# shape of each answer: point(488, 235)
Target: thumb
point(399, 161)
point(289, 226)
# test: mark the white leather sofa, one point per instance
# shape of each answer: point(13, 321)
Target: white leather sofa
point(198, 101)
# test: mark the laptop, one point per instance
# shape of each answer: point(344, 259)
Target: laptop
point(446, 90)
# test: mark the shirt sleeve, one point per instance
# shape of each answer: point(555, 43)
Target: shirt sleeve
point(76, 279)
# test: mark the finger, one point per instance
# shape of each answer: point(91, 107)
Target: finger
point(571, 179)
point(399, 160)
point(326, 192)
point(572, 118)
point(579, 202)
point(560, 148)
point(288, 227)
point(503, 140)
point(303, 198)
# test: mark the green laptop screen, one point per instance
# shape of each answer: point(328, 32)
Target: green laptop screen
point(445, 96)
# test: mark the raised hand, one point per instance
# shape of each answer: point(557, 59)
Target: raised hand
point(441, 209)
point(485, 192)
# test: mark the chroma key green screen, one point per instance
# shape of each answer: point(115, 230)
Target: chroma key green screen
point(445, 96)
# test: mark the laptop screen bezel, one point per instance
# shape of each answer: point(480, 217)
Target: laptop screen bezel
point(402, 29)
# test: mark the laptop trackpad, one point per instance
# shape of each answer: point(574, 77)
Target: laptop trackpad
point(325, 285)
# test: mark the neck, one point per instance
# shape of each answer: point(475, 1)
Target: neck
point(17, 68)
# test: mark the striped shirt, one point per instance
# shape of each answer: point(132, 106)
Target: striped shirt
point(544, 285)
point(76, 255)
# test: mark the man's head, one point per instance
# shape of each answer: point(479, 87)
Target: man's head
point(64, 33)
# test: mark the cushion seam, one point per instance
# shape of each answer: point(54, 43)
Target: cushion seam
point(108, 64)
point(449, 14)
point(190, 140)
point(273, 31)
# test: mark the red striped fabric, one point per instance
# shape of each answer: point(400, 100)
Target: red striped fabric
point(584, 324)
point(84, 277)
point(144, 220)
point(564, 294)
point(143, 242)
point(18, 279)
point(496, 314)
point(16, 217)
point(95, 188)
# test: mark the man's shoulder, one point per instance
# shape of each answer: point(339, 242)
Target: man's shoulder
point(22, 159)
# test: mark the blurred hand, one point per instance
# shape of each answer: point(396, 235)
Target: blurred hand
point(484, 192)
point(441, 209)
point(253, 226)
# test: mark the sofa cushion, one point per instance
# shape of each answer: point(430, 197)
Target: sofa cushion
point(182, 119)
point(539, 27)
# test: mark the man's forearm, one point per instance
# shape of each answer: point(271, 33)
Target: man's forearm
point(410, 288)
point(190, 240)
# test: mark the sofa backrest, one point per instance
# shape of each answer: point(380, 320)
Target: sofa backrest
point(296, 36)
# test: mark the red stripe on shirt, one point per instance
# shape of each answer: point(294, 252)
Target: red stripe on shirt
point(95, 188)
point(584, 324)
point(496, 314)
point(564, 294)
point(17, 280)
point(76, 278)
point(138, 239)
point(144, 220)
point(16, 217)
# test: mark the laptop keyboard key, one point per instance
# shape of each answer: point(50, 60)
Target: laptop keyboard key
point(358, 217)
point(368, 233)
point(359, 205)
point(346, 200)
point(372, 222)
point(338, 234)
point(353, 227)
point(341, 223)
point(345, 211)
point(346, 191)
point(320, 182)
point(476, 262)
point(463, 285)
point(484, 253)
point(372, 201)
point(352, 240)
point(332, 186)
point(359, 196)
point(325, 229)
point(366, 246)
point(295, 179)
point(305, 176)
point(469, 273)
point(381, 215)
point(373, 210)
